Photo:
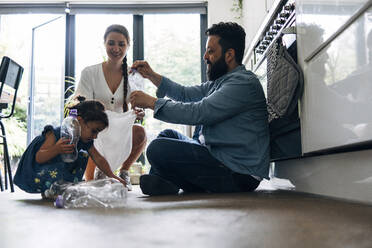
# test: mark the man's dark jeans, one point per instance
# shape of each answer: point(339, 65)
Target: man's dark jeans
point(190, 166)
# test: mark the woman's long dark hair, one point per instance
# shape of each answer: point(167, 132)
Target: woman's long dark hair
point(124, 67)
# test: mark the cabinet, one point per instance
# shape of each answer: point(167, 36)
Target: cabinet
point(337, 101)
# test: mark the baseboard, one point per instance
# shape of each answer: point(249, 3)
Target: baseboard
point(343, 175)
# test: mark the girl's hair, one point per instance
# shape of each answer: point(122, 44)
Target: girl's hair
point(91, 110)
point(124, 67)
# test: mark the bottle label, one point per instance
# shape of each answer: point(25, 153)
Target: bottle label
point(73, 112)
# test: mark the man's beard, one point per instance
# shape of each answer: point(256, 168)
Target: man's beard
point(218, 69)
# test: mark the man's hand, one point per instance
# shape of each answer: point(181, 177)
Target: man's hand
point(145, 70)
point(142, 100)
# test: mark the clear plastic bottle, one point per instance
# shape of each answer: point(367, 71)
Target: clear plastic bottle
point(107, 193)
point(57, 188)
point(70, 129)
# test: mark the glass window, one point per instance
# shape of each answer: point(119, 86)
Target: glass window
point(48, 75)
point(172, 48)
point(16, 43)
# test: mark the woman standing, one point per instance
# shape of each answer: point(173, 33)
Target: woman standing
point(108, 83)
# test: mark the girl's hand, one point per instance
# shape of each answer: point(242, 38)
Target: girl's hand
point(140, 113)
point(120, 180)
point(64, 146)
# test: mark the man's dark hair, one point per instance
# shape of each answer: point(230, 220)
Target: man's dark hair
point(232, 35)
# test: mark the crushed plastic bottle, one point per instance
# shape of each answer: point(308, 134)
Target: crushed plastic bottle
point(136, 81)
point(106, 193)
point(57, 188)
point(70, 129)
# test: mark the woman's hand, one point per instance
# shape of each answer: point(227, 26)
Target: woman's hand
point(145, 70)
point(140, 113)
point(142, 100)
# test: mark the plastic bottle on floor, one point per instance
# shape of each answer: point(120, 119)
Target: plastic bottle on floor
point(106, 193)
point(70, 129)
point(57, 188)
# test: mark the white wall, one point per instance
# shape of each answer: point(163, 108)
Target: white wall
point(220, 11)
point(253, 14)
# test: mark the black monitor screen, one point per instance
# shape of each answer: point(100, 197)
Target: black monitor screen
point(10, 71)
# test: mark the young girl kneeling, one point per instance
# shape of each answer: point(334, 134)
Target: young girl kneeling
point(41, 164)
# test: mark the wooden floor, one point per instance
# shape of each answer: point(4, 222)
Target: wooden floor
point(260, 219)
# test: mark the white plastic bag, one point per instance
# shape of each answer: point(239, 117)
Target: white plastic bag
point(115, 142)
point(136, 81)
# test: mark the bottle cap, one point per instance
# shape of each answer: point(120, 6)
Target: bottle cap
point(73, 112)
point(59, 202)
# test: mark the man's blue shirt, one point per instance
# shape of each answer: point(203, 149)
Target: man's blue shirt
point(231, 109)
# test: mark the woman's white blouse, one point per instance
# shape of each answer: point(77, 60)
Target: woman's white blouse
point(93, 86)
